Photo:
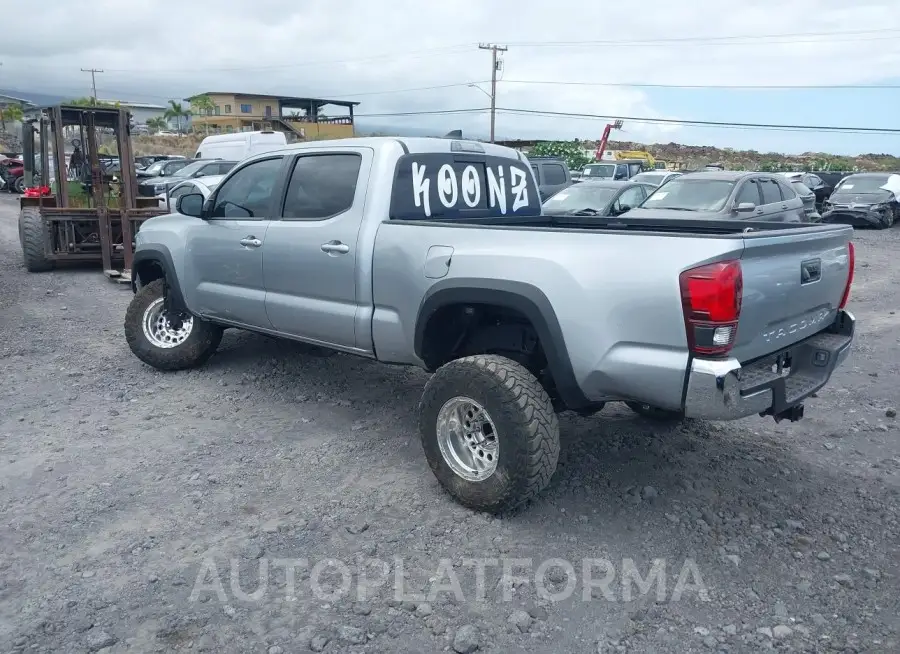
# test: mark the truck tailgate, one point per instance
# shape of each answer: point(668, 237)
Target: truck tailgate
point(793, 285)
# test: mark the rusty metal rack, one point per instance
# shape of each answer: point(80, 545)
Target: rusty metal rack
point(104, 228)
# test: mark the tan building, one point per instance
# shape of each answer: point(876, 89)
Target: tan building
point(302, 117)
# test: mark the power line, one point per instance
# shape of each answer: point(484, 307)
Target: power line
point(435, 112)
point(704, 123)
point(419, 54)
point(759, 87)
point(704, 39)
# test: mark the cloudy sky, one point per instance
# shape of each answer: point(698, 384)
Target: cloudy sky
point(400, 56)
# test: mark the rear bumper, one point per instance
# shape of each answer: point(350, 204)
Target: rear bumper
point(726, 390)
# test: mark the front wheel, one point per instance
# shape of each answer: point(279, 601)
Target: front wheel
point(489, 431)
point(165, 340)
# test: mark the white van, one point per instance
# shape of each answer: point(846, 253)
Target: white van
point(239, 145)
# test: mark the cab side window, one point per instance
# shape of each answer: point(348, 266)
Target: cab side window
point(247, 194)
point(628, 199)
point(749, 193)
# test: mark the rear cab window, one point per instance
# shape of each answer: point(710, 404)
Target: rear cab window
point(464, 186)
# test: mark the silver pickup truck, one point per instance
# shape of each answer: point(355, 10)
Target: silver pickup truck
point(434, 253)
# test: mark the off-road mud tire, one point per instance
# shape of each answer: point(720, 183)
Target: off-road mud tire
point(193, 352)
point(526, 426)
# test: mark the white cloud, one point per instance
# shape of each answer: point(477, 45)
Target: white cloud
point(159, 50)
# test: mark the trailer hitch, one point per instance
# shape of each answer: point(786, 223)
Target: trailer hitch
point(793, 414)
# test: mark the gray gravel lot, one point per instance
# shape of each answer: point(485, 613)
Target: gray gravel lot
point(121, 486)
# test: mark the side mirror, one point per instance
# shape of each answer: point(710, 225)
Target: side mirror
point(744, 207)
point(190, 204)
point(622, 209)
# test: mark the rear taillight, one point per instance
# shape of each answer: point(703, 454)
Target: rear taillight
point(711, 297)
point(851, 262)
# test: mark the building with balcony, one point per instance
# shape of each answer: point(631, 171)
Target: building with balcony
point(302, 118)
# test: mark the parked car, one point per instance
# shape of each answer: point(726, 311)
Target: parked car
point(203, 185)
point(622, 169)
point(814, 183)
point(159, 186)
point(809, 200)
point(552, 175)
point(865, 200)
point(655, 177)
point(734, 195)
point(148, 160)
point(517, 314)
point(163, 168)
point(597, 198)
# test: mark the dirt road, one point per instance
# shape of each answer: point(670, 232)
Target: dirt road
point(127, 494)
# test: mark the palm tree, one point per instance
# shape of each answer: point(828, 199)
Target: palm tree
point(157, 124)
point(177, 112)
point(203, 106)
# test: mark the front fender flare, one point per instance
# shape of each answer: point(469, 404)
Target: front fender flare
point(162, 257)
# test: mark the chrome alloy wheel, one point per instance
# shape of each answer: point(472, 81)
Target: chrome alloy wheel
point(468, 439)
point(164, 330)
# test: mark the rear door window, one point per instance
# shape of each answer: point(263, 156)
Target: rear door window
point(322, 186)
point(771, 192)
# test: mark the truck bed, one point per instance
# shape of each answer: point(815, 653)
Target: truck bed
point(613, 286)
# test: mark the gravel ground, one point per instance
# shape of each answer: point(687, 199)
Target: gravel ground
point(127, 494)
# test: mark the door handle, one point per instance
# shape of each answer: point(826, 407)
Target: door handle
point(784, 206)
point(335, 247)
point(251, 242)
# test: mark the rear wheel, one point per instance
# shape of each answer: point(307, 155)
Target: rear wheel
point(167, 340)
point(655, 413)
point(489, 431)
point(32, 235)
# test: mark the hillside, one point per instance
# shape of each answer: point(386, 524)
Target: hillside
point(690, 156)
point(697, 156)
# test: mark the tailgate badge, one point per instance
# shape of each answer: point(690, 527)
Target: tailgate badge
point(810, 271)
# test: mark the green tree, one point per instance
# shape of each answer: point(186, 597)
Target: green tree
point(90, 102)
point(157, 124)
point(178, 112)
point(569, 151)
point(10, 112)
point(202, 105)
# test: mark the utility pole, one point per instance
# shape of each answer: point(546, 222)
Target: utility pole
point(93, 72)
point(494, 48)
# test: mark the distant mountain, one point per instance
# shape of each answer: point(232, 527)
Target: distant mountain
point(40, 99)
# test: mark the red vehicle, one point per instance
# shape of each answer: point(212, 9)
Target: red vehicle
point(12, 174)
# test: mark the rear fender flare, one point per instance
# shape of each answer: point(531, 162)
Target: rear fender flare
point(525, 298)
